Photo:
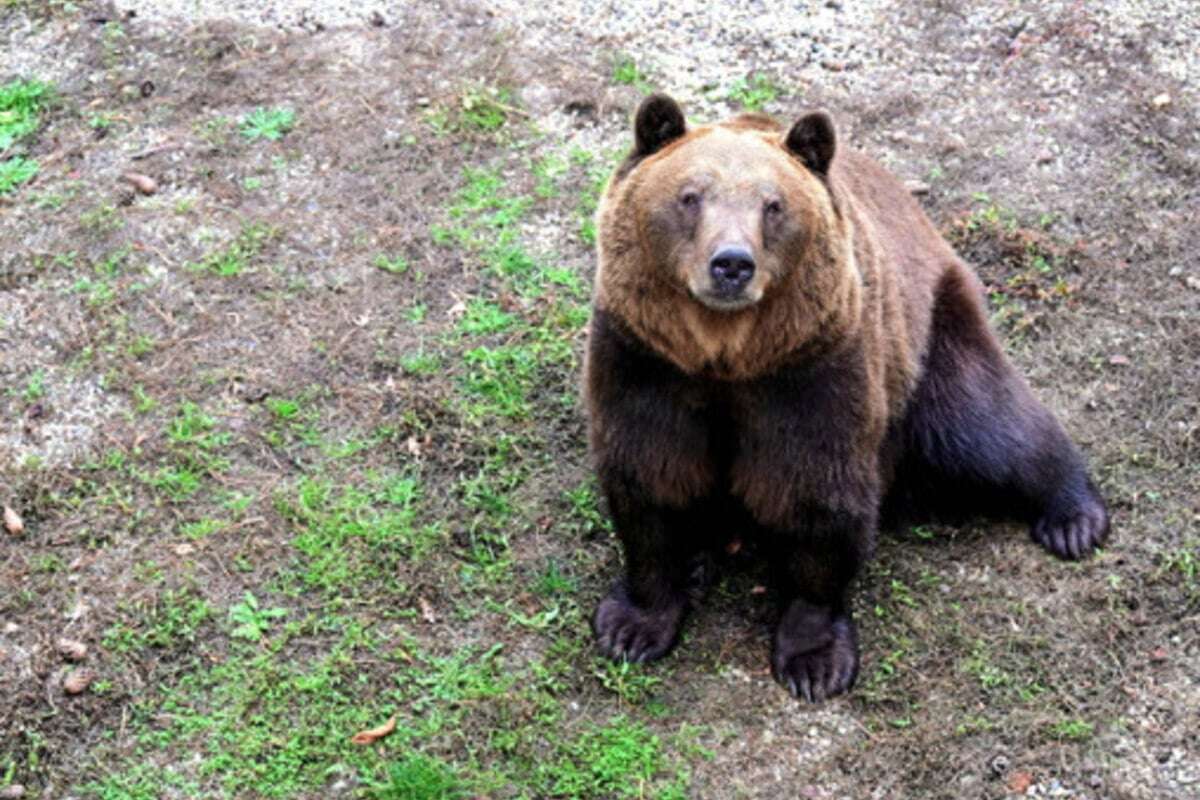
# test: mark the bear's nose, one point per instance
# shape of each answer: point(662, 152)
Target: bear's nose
point(731, 268)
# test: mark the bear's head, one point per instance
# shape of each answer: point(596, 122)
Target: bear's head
point(723, 247)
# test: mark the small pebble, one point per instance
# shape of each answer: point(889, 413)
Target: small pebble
point(71, 649)
point(78, 680)
point(143, 183)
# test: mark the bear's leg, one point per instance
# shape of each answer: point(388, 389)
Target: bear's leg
point(814, 652)
point(640, 618)
point(976, 440)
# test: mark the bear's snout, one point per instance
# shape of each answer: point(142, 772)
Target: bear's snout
point(731, 268)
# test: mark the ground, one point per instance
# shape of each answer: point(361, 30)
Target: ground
point(296, 446)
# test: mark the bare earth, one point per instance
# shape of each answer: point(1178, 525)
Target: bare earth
point(296, 443)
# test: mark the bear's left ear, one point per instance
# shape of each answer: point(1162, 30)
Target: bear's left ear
point(658, 121)
point(813, 140)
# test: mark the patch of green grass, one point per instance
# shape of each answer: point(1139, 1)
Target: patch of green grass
point(258, 725)
point(20, 102)
point(421, 363)
point(171, 620)
point(177, 483)
point(283, 409)
point(753, 92)
point(397, 265)
point(350, 538)
point(630, 682)
point(419, 777)
point(1071, 730)
point(485, 109)
point(35, 386)
point(16, 171)
point(251, 621)
point(585, 515)
point(500, 379)
point(483, 317)
point(621, 759)
point(192, 427)
point(101, 219)
point(548, 172)
point(626, 72)
point(236, 257)
point(268, 123)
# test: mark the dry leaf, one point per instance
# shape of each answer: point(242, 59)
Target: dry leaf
point(457, 310)
point(143, 183)
point(426, 610)
point(374, 734)
point(13, 522)
point(1018, 782)
point(71, 649)
point(78, 680)
point(413, 446)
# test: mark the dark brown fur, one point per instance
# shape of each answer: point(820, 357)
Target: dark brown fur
point(859, 378)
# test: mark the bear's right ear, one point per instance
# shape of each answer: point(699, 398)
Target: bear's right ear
point(658, 121)
point(813, 140)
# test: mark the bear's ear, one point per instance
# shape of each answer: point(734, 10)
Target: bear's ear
point(658, 121)
point(813, 140)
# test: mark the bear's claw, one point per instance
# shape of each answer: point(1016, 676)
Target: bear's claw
point(815, 654)
point(626, 631)
point(1072, 527)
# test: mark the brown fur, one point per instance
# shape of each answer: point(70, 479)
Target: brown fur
point(852, 376)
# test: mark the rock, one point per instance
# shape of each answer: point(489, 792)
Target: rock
point(78, 680)
point(12, 791)
point(71, 649)
point(13, 522)
point(143, 183)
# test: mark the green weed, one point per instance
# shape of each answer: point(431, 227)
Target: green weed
point(252, 622)
point(753, 92)
point(268, 123)
point(397, 265)
point(20, 104)
point(171, 621)
point(626, 72)
point(630, 682)
point(621, 759)
point(16, 171)
point(347, 537)
point(236, 257)
point(419, 777)
point(1072, 730)
point(483, 317)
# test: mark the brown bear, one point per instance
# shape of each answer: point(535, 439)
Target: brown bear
point(782, 346)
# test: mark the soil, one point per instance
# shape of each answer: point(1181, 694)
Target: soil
point(1058, 148)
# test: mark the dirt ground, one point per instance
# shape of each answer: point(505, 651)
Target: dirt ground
point(297, 451)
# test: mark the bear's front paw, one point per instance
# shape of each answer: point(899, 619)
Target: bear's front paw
point(1074, 525)
point(627, 631)
point(815, 652)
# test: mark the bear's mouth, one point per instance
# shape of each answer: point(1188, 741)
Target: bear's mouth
point(724, 302)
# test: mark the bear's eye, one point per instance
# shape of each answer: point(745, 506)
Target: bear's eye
point(689, 200)
point(773, 208)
